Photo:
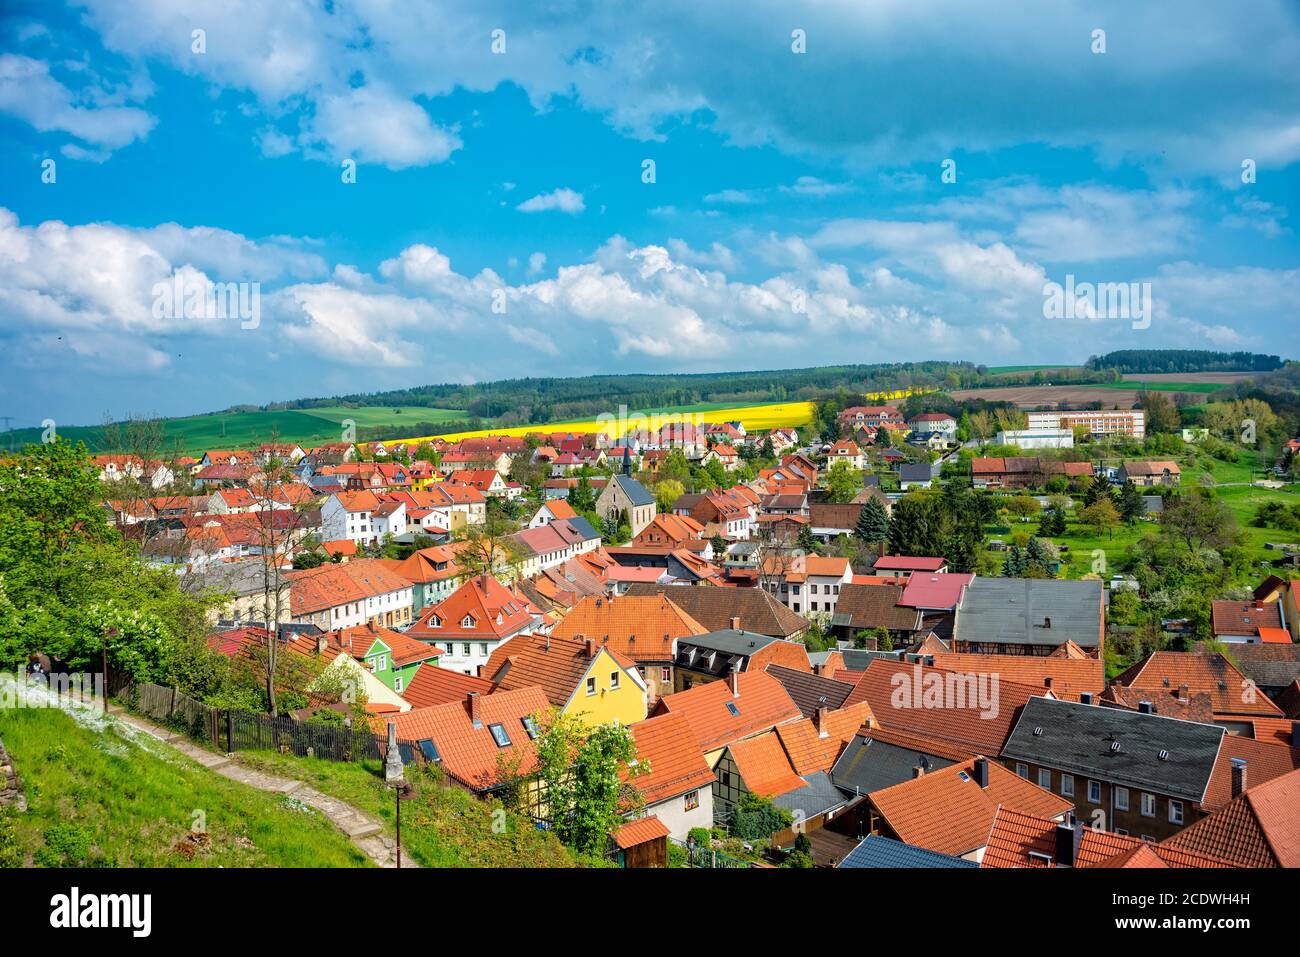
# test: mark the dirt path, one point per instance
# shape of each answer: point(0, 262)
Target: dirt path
point(365, 831)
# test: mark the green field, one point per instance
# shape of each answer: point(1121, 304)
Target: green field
point(196, 434)
point(1000, 370)
point(102, 795)
point(1160, 386)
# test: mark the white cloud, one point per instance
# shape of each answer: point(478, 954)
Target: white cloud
point(29, 92)
point(563, 199)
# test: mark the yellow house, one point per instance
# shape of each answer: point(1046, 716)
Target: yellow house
point(582, 678)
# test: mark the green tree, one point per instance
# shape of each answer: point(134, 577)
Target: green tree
point(872, 527)
point(1102, 515)
point(587, 777)
point(666, 493)
point(1130, 503)
point(843, 482)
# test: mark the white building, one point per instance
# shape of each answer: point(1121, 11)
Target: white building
point(1131, 422)
point(1038, 438)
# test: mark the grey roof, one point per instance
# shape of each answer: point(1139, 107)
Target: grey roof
point(1152, 504)
point(634, 490)
point(878, 851)
point(728, 641)
point(809, 691)
point(818, 796)
point(868, 765)
point(238, 578)
point(1116, 745)
point(1267, 664)
point(1014, 611)
point(583, 527)
point(915, 472)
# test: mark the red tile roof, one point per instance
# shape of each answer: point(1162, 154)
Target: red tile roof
point(494, 612)
point(431, 685)
point(556, 665)
point(665, 745)
point(1265, 760)
point(643, 628)
point(1064, 677)
point(764, 766)
point(718, 718)
point(639, 831)
point(1163, 673)
point(1245, 617)
point(317, 589)
point(1260, 828)
point(947, 811)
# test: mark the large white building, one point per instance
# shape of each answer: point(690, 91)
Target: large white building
point(1131, 422)
point(1038, 438)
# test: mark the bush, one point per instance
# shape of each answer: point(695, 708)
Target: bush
point(699, 835)
point(757, 818)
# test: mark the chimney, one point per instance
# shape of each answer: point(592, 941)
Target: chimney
point(735, 681)
point(1182, 693)
point(322, 643)
point(475, 709)
point(819, 670)
point(591, 647)
point(1085, 697)
point(735, 623)
point(819, 722)
point(1047, 622)
point(918, 771)
point(1068, 838)
point(1047, 682)
point(1238, 776)
point(981, 770)
point(1144, 707)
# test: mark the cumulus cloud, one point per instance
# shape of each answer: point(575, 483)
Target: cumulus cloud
point(31, 93)
point(563, 200)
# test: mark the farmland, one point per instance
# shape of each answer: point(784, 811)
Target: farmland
point(1121, 395)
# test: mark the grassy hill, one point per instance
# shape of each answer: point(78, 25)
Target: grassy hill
point(101, 795)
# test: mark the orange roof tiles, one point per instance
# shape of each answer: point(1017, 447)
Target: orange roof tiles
point(1265, 760)
point(1164, 672)
point(1016, 835)
point(492, 610)
point(431, 685)
point(639, 831)
point(1259, 828)
point(644, 629)
point(764, 766)
point(1064, 677)
point(556, 665)
point(317, 589)
point(811, 747)
point(470, 754)
point(666, 747)
point(718, 718)
point(947, 811)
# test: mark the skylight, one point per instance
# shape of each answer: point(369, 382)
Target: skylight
point(430, 750)
point(499, 735)
point(530, 726)
point(731, 706)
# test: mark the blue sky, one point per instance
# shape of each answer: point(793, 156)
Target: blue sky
point(798, 214)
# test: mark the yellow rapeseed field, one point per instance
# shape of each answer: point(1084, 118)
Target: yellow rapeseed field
point(756, 418)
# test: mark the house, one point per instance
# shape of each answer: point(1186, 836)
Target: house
point(724, 455)
point(915, 475)
point(550, 511)
point(477, 739)
point(644, 629)
point(715, 654)
point(432, 685)
point(1037, 438)
point(285, 452)
point(868, 607)
point(1259, 828)
point(1024, 471)
point(473, 621)
point(846, 450)
point(1020, 839)
point(359, 592)
point(1101, 422)
point(721, 713)
point(216, 475)
point(715, 609)
point(676, 783)
point(1165, 674)
point(114, 468)
point(362, 516)
point(389, 655)
point(940, 422)
point(1027, 616)
point(727, 512)
point(870, 415)
point(1272, 667)
point(581, 677)
point(1150, 473)
point(951, 810)
point(807, 584)
point(487, 481)
point(903, 566)
point(625, 496)
point(432, 572)
point(1249, 622)
point(678, 531)
point(1070, 679)
point(1148, 775)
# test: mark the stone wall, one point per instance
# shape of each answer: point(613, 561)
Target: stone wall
point(11, 794)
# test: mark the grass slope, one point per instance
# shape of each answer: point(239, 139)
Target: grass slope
point(100, 795)
point(442, 826)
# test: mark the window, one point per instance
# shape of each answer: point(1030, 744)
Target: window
point(591, 686)
point(731, 706)
point(482, 649)
point(1045, 778)
point(499, 735)
point(1176, 812)
point(464, 649)
point(530, 725)
point(692, 800)
point(397, 683)
point(1148, 805)
point(613, 681)
point(381, 663)
point(1094, 792)
point(665, 674)
point(1121, 799)
point(1022, 770)
point(1067, 785)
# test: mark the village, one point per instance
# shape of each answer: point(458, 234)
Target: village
point(811, 648)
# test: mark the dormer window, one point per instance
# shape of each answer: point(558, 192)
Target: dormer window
point(467, 621)
point(435, 622)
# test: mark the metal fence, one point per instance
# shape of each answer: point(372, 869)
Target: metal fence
point(699, 855)
point(246, 731)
